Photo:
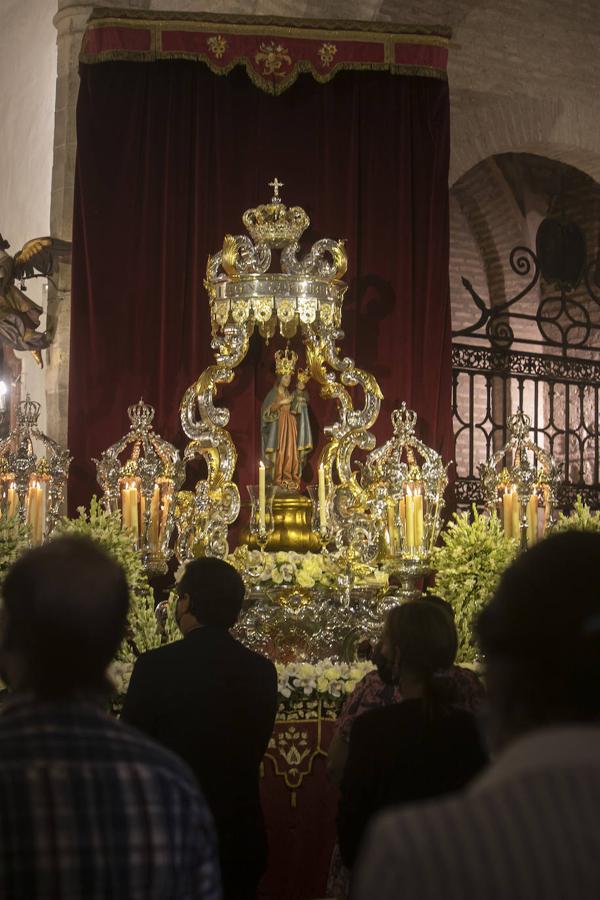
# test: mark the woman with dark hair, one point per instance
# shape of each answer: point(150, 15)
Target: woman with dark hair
point(422, 747)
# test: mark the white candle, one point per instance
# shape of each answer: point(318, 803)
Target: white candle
point(507, 505)
point(34, 509)
point(125, 506)
point(516, 517)
point(391, 527)
point(133, 510)
point(154, 518)
point(322, 498)
point(43, 489)
point(532, 520)
point(262, 496)
point(410, 520)
point(418, 498)
point(12, 500)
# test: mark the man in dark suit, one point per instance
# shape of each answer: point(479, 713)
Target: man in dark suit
point(213, 702)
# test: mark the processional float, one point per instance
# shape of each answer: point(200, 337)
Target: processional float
point(361, 509)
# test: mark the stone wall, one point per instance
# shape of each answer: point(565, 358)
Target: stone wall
point(27, 76)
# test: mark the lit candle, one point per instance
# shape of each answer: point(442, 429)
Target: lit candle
point(164, 510)
point(532, 520)
point(418, 500)
point(34, 510)
point(322, 498)
point(262, 496)
point(42, 488)
point(125, 506)
point(12, 500)
point(391, 527)
point(507, 504)
point(410, 520)
point(133, 510)
point(403, 512)
point(516, 517)
point(154, 518)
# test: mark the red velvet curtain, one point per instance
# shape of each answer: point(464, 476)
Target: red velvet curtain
point(169, 156)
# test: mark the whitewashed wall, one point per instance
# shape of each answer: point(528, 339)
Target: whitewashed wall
point(27, 100)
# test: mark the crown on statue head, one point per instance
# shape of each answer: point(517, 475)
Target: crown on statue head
point(285, 362)
point(273, 223)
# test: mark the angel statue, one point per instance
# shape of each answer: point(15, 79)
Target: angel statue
point(20, 316)
point(285, 424)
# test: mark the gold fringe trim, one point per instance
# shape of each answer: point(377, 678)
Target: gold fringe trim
point(264, 22)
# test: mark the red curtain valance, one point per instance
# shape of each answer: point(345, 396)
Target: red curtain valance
point(273, 51)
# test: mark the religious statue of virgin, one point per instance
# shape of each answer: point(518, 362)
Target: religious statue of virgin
point(285, 426)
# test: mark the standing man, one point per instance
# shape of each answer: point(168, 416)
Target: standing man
point(89, 809)
point(529, 826)
point(213, 702)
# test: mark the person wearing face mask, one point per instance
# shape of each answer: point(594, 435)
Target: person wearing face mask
point(422, 747)
point(376, 690)
point(213, 701)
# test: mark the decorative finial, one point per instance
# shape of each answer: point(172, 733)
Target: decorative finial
point(404, 421)
point(519, 425)
point(273, 224)
point(28, 412)
point(140, 415)
point(276, 184)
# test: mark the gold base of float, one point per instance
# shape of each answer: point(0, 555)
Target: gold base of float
point(292, 515)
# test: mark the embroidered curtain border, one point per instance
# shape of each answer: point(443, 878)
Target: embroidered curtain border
point(273, 51)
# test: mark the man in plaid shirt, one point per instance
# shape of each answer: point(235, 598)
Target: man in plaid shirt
point(89, 808)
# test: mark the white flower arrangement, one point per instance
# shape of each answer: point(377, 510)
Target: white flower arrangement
point(296, 682)
point(119, 674)
point(286, 568)
point(326, 679)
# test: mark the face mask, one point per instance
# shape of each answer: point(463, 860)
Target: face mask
point(384, 666)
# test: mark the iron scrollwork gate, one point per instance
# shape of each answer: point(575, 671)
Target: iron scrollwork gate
point(539, 351)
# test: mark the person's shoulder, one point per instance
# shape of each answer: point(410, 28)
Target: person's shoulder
point(254, 660)
point(457, 718)
point(405, 849)
point(159, 656)
point(381, 718)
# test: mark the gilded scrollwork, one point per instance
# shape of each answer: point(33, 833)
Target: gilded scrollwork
point(307, 294)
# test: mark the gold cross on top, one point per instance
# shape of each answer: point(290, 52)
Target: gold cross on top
point(276, 184)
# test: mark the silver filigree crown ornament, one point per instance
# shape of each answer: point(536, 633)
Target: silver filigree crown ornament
point(139, 477)
point(520, 483)
point(31, 485)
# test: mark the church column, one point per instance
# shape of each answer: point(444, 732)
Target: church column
point(70, 22)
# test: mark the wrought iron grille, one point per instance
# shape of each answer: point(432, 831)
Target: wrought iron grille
point(558, 388)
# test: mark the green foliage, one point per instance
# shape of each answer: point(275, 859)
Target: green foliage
point(14, 540)
point(581, 518)
point(105, 528)
point(473, 555)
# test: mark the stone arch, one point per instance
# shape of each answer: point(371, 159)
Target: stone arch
point(563, 129)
